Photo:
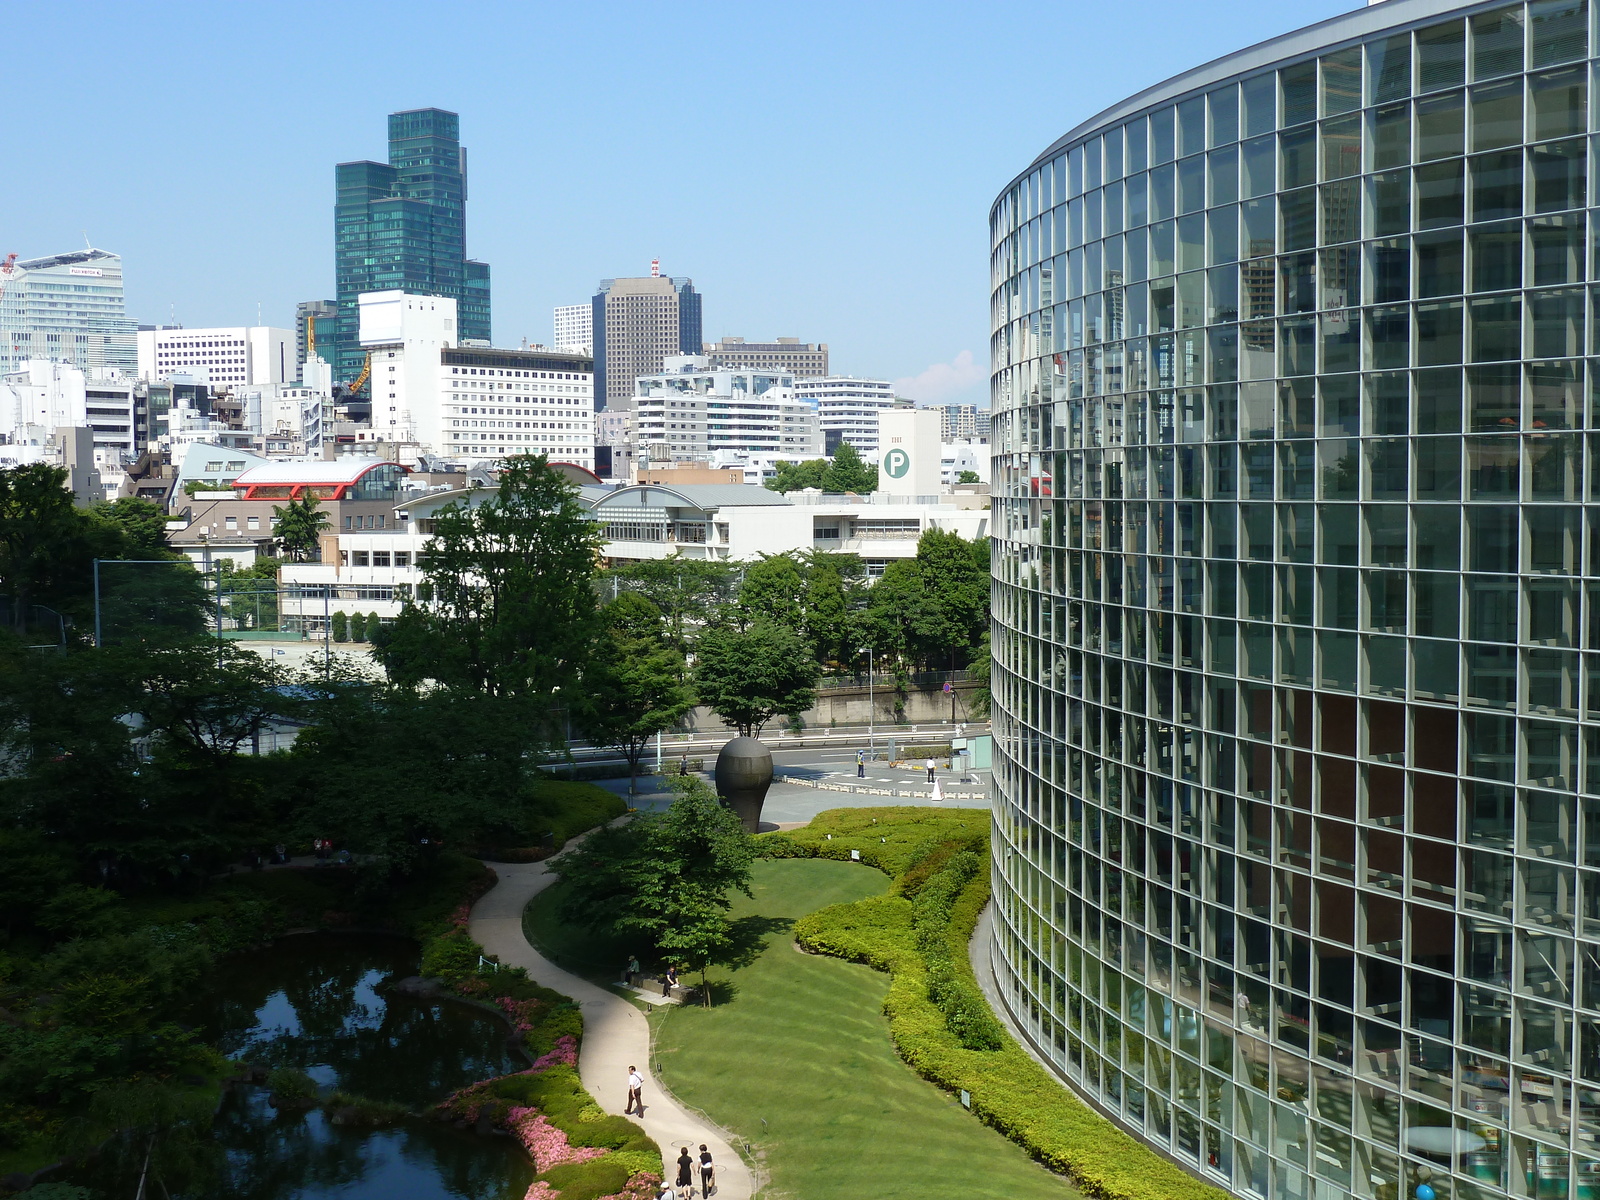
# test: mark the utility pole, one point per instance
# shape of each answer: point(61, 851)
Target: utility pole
point(872, 710)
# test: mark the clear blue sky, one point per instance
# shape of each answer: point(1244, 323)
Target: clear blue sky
point(821, 170)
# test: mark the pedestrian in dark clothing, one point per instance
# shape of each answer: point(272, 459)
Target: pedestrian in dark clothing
point(280, 854)
point(670, 982)
point(683, 765)
point(686, 1171)
point(708, 1172)
point(930, 770)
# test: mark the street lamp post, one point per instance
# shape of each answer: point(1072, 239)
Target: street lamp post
point(872, 710)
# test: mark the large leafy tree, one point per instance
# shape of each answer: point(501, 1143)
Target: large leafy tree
point(794, 477)
point(749, 676)
point(638, 685)
point(834, 589)
point(507, 606)
point(299, 526)
point(668, 877)
point(932, 609)
point(688, 592)
point(849, 473)
point(774, 588)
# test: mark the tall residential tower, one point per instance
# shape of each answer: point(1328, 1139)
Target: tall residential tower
point(401, 226)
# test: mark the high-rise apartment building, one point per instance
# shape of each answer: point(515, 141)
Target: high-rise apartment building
point(803, 360)
point(401, 226)
point(316, 322)
point(225, 357)
point(691, 409)
point(66, 308)
point(847, 409)
point(1297, 775)
point(963, 422)
point(575, 328)
point(636, 325)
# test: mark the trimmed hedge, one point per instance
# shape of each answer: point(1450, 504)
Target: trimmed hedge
point(937, 861)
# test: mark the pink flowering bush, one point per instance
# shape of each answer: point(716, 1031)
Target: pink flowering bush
point(547, 1144)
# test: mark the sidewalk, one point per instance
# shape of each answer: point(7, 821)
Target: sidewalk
point(615, 1033)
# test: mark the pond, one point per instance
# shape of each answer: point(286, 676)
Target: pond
point(314, 1003)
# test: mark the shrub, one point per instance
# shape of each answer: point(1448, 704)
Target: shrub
point(603, 1176)
point(291, 1088)
point(340, 623)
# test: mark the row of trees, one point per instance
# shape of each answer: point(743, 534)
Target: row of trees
point(846, 472)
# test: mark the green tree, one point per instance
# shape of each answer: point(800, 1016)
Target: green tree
point(749, 676)
point(638, 688)
point(341, 626)
point(507, 605)
point(143, 523)
point(250, 594)
point(688, 592)
point(372, 633)
point(849, 473)
point(299, 527)
point(834, 589)
point(968, 477)
point(794, 477)
point(666, 876)
point(774, 588)
point(932, 609)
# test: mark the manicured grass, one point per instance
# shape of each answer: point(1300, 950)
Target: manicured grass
point(599, 958)
point(800, 1041)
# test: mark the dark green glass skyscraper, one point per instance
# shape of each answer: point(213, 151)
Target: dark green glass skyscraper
point(403, 225)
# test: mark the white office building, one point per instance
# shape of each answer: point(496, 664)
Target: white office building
point(847, 408)
point(290, 418)
point(575, 328)
point(66, 308)
point(227, 358)
point(690, 410)
point(472, 403)
point(38, 397)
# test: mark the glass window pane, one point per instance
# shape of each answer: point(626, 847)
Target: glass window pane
point(1341, 82)
point(1341, 148)
point(1560, 103)
point(1299, 91)
point(1389, 68)
point(1441, 56)
point(1391, 137)
point(1260, 166)
point(1439, 194)
point(1441, 126)
point(1298, 158)
point(1439, 263)
point(1192, 126)
point(1391, 203)
point(1497, 115)
point(1223, 171)
point(1223, 105)
point(1556, 250)
point(1560, 30)
point(1260, 99)
point(1135, 140)
point(1161, 136)
point(1559, 175)
point(1497, 43)
point(1497, 186)
point(1496, 256)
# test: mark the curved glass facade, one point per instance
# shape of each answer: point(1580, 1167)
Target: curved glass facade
point(1297, 608)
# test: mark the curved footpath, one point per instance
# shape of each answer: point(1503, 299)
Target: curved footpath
point(615, 1032)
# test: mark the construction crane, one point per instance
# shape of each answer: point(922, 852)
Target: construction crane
point(361, 379)
point(311, 336)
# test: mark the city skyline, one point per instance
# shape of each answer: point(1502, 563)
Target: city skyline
point(874, 247)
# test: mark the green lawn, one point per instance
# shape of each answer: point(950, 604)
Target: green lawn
point(799, 1041)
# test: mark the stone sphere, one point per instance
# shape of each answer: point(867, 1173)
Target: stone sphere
point(744, 772)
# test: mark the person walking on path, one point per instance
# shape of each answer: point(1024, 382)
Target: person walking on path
point(683, 764)
point(861, 764)
point(708, 1172)
point(930, 770)
point(670, 982)
point(635, 1093)
point(686, 1171)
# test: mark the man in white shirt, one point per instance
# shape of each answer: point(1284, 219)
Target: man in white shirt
point(635, 1093)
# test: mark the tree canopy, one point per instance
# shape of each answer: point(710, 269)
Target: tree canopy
point(748, 676)
point(637, 685)
point(507, 604)
point(299, 527)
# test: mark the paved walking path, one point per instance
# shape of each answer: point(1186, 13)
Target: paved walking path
point(615, 1033)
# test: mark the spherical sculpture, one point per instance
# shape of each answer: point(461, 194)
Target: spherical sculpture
point(744, 772)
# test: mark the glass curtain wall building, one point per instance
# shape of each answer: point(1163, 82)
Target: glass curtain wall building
point(1297, 608)
point(403, 225)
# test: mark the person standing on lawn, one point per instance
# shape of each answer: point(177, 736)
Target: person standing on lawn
point(670, 982)
point(635, 1093)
